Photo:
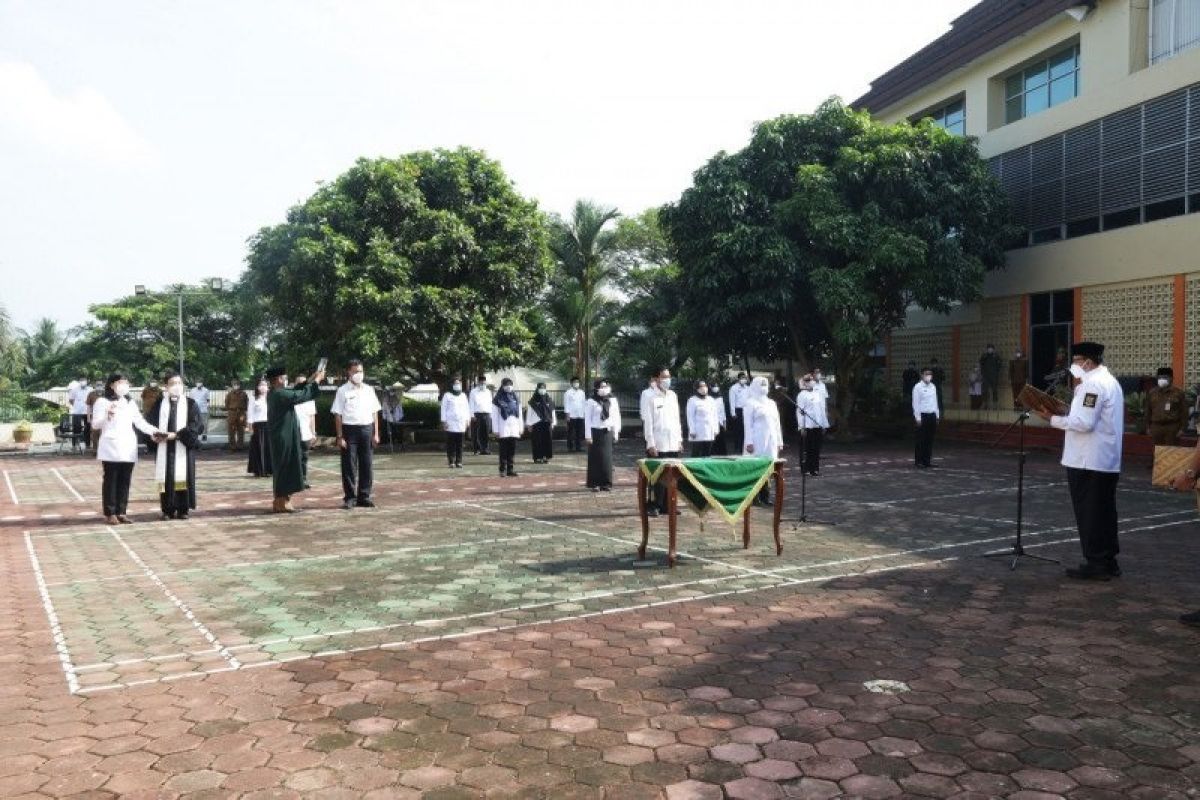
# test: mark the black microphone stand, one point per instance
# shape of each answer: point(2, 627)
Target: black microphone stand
point(803, 472)
point(1018, 550)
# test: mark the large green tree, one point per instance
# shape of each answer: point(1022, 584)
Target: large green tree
point(818, 236)
point(43, 343)
point(428, 265)
point(12, 354)
point(584, 249)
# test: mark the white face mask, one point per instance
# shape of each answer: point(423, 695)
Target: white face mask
point(1077, 371)
point(603, 391)
point(743, 381)
point(175, 390)
point(816, 376)
point(702, 391)
point(121, 389)
point(357, 378)
point(456, 387)
point(664, 383)
point(927, 378)
point(263, 388)
point(1163, 383)
point(541, 391)
point(574, 384)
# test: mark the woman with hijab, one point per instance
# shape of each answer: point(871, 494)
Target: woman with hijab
point(118, 420)
point(764, 436)
point(719, 447)
point(175, 458)
point(506, 422)
point(702, 421)
point(602, 428)
point(256, 420)
point(541, 418)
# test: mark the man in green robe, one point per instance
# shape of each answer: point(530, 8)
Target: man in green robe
point(283, 433)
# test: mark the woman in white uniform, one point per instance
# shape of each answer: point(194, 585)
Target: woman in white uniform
point(602, 428)
point(764, 436)
point(703, 421)
point(118, 420)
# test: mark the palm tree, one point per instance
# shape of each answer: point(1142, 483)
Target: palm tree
point(45, 342)
point(12, 355)
point(584, 249)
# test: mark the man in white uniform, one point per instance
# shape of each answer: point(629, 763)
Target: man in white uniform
point(661, 427)
point(1094, 429)
point(306, 417)
point(77, 392)
point(455, 417)
point(737, 402)
point(481, 410)
point(356, 418)
point(812, 419)
point(199, 395)
point(926, 413)
point(574, 403)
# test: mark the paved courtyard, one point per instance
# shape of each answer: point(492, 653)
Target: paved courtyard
point(484, 637)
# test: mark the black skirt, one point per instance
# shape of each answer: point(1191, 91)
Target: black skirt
point(600, 459)
point(260, 452)
point(543, 443)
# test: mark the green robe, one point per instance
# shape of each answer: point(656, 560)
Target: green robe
point(283, 434)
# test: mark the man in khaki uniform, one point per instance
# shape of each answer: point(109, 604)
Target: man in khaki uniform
point(236, 403)
point(1166, 409)
point(151, 394)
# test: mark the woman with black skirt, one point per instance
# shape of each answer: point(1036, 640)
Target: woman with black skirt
point(541, 417)
point(256, 419)
point(602, 427)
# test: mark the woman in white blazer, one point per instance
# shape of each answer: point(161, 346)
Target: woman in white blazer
point(118, 420)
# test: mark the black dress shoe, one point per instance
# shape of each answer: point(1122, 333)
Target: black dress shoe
point(1192, 619)
point(513, 473)
point(308, 486)
point(181, 516)
point(347, 504)
point(606, 488)
point(595, 489)
point(366, 503)
point(1088, 572)
point(652, 511)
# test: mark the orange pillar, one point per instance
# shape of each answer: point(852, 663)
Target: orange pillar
point(1179, 341)
point(1077, 328)
point(955, 360)
point(1024, 336)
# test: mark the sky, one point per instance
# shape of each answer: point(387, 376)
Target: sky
point(144, 142)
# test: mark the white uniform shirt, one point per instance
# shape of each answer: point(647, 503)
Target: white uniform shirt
point(1095, 424)
point(592, 421)
point(703, 418)
point(306, 412)
point(79, 398)
point(763, 430)
point(720, 401)
point(256, 410)
point(200, 396)
point(737, 396)
point(661, 424)
point(72, 392)
point(573, 403)
point(924, 400)
point(510, 428)
point(812, 404)
point(118, 442)
point(822, 391)
point(357, 405)
point(456, 412)
point(481, 400)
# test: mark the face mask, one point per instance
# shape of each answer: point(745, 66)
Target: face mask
point(743, 381)
point(806, 385)
point(715, 392)
point(357, 378)
point(1077, 371)
point(816, 376)
point(121, 389)
point(1163, 383)
point(456, 388)
point(262, 388)
point(702, 391)
point(664, 383)
point(199, 384)
point(541, 391)
point(574, 384)
point(603, 391)
point(175, 390)
point(927, 378)
point(153, 384)
point(506, 389)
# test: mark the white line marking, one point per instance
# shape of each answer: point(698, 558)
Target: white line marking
point(11, 490)
point(888, 503)
point(60, 640)
point(182, 606)
point(65, 483)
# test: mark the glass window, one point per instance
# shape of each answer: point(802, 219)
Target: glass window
point(952, 117)
point(1174, 27)
point(1043, 84)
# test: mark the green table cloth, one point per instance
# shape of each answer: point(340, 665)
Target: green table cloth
point(728, 485)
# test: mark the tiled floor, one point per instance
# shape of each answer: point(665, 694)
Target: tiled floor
point(476, 636)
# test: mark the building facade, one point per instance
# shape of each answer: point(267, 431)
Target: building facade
point(1089, 115)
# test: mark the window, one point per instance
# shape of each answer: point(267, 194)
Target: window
point(952, 117)
point(1174, 27)
point(1042, 85)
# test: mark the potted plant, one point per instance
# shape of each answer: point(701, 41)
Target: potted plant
point(23, 432)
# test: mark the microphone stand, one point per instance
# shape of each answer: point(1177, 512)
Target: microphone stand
point(1018, 550)
point(803, 472)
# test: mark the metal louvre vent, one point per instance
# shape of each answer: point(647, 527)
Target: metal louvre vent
point(1119, 165)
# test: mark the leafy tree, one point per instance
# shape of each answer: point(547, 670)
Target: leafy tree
point(12, 355)
point(820, 234)
point(584, 250)
point(428, 265)
point(43, 343)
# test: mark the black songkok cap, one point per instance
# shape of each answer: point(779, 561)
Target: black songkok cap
point(1090, 350)
point(275, 372)
point(1166, 372)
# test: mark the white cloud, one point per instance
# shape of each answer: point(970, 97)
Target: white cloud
point(81, 124)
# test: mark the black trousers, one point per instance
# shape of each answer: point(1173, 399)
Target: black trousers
point(454, 447)
point(702, 449)
point(479, 434)
point(928, 427)
point(80, 428)
point(659, 490)
point(813, 439)
point(575, 435)
point(1094, 497)
point(600, 459)
point(304, 446)
point(991, 391)
point(737, 426)
point(508, 452)
point(115, 490)
point(259, 462)
point(357, 472)
point(718, 444)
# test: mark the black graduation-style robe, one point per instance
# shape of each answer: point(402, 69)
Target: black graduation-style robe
point(283, 432)
point(188, 437)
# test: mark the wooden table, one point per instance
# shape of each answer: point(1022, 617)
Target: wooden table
point(671, 477)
